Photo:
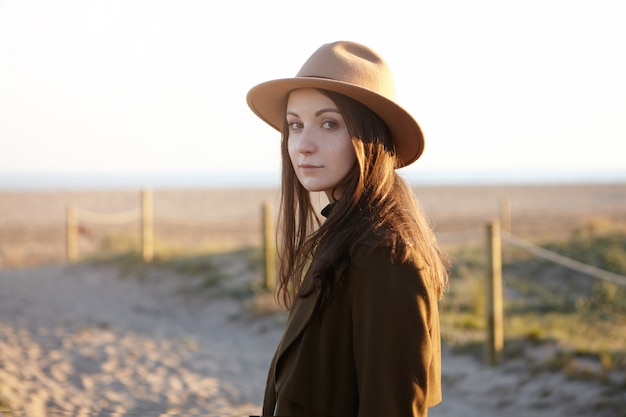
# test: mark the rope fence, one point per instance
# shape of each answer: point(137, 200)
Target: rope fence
point(179, 214)
point(497, 230)
point(108, 218)
point(494, 311)
point(145, 214)
point(563, 260)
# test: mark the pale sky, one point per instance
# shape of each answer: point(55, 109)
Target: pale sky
point(155, 86)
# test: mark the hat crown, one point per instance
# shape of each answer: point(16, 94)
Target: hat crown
point(351, 63)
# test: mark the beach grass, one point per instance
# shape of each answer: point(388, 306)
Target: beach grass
point(554, 318)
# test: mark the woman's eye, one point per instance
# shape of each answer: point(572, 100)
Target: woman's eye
point(295, 125)
point(330, 124)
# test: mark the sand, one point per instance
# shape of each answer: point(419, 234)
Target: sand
point(90, 339)
point(82, 338)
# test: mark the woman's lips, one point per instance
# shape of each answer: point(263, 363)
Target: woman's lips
point(309, 167)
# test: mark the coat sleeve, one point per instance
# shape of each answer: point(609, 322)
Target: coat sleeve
point(396, 341)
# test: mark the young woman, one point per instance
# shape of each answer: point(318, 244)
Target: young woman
point(362, 284)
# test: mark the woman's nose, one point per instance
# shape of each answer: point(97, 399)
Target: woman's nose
point(306, 142)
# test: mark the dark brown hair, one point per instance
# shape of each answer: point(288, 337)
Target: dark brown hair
point(376, 207)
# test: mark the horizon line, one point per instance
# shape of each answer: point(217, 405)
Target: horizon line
point(31, 181)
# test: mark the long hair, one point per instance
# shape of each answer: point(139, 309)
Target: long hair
point(376, 207)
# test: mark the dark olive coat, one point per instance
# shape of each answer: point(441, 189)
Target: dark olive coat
point(373, 350)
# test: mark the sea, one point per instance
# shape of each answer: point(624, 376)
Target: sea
point(11, 181)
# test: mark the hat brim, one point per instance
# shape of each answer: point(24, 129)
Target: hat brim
point(266, 100)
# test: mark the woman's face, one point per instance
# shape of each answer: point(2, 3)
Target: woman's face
point(319, 145)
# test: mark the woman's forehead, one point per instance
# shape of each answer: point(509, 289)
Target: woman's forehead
point(309, 100)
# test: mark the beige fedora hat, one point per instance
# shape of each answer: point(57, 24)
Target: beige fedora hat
point(353, 70)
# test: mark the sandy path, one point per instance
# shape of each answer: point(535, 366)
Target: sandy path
point(85, 339)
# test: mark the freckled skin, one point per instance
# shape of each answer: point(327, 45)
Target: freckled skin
point(319, 144)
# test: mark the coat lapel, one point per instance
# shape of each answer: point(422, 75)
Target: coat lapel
point(301, 313)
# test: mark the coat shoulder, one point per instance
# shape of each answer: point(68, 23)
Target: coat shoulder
point(377, 264)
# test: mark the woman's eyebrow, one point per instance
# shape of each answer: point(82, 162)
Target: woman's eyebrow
point(328, 110)
point(317, 113)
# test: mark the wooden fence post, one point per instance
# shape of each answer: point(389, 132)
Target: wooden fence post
point(147, 230)
point(269, 247)
point(495, 334)
point(505, 214)
point(72, 235)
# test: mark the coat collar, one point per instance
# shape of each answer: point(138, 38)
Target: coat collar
point(327, 210)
